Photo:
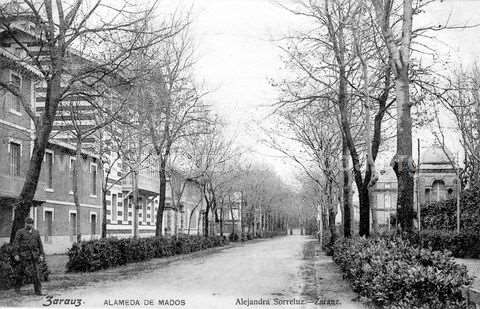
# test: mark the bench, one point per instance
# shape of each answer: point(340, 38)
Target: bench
point(471, 295)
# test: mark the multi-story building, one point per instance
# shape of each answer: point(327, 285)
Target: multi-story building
point(55, 213)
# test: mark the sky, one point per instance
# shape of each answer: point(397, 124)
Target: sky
point(237, 54)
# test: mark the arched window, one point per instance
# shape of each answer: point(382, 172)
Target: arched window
point(427, 196)
point(438, 188)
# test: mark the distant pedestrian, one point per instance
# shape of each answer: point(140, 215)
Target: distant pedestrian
point(28, 253)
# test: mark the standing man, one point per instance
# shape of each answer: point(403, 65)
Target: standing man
point(28, 252)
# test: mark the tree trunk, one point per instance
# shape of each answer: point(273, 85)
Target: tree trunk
point(207, 212)
point(364, 211)
point(221, 220)
point(373, 209)
point(402, 163)
point(161, 198)
point(331, 221)
point(135, 204)
point(320, 225)
point(104, 212)
point(232, 215)
point(27, 194)
point(76, 200)
point(22, 210)
point(347, 184)
point(331, 213)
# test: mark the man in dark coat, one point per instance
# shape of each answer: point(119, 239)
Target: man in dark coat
point(28, 252)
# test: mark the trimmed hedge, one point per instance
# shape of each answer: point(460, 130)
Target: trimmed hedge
point(394, 274)
point(443, 215)
point(462, 245)
point(99, 254)
point(7, 269)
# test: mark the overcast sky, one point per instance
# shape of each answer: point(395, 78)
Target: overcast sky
point(237, 56)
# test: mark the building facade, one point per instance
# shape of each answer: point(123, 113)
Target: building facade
point(436, 180)
point(55, 213)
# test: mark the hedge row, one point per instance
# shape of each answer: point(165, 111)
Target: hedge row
point(94, 255)
point(443, 215)
point(394, 274)
point(462, 245)
point(7, 268)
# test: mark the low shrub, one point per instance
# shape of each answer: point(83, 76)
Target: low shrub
point(462, 245)
point(246, 236)
point(233, 237)
point(393, 273)
point(99, 254)
point(7, 268)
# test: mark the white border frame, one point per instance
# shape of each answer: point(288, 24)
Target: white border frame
point(70, 212)
point(45, 209)
point(96, 182)
point(11, 110)
point(16, 141)
point(49, 189)
point(90, 217)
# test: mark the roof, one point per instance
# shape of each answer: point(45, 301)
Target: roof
point(72, 147)
point(435, 154)
point(17, 62)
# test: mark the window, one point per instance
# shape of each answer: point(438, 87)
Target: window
point(144, 210)
point(15, 154)
point(49, 168)
point(153, 212)
point(114, 208)
point(93, 181)
point(73, 225)
point(125, 210)
point(93, 224)
point(193, 221)
point(16, 82)
point(48, 217)
point(427, 196)
point(438, 188)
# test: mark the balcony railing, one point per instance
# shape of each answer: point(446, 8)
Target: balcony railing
point(146, 182)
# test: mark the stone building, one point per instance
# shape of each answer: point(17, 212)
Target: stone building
point(437, 177)
point(435, 181)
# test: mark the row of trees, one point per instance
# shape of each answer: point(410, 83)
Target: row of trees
point(354, 72)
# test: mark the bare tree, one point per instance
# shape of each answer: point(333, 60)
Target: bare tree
point(172, 103)
point(330, 70)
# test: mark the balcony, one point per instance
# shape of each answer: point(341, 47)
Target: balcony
point(147, 184)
